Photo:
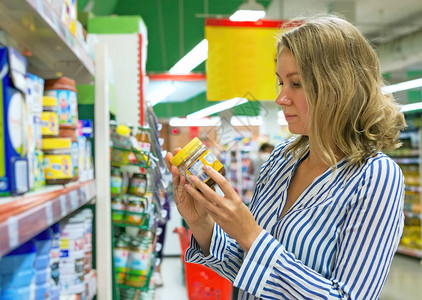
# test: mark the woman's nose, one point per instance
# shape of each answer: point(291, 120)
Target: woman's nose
point(283, 100)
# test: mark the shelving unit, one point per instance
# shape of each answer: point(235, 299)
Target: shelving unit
point(408, 157)
point(33, 28)
point(52, 47)
point(21, 218)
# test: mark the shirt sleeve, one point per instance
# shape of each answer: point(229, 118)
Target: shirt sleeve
point(225, 256)
point(367, 242)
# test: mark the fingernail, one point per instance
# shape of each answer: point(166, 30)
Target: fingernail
point(193, 178)
point(206, 168)
point(187, 187)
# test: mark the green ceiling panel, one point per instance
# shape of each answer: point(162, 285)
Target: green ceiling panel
point(182, 109)
point(114, 24)
point(165, 29)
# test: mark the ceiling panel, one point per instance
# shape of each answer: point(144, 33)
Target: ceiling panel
point(176, 26)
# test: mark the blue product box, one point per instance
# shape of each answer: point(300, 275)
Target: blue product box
point(13, 141)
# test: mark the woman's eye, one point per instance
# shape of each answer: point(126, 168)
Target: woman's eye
point(280, 83)
point(296, 84)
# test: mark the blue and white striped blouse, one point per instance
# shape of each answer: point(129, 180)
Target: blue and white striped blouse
point(337, 241)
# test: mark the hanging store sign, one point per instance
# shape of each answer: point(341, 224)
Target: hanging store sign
point(241, 59)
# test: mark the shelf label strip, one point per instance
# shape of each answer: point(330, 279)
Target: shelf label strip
point(63, 205)
point(13, 232)
point(74, 199)
point(49, 213)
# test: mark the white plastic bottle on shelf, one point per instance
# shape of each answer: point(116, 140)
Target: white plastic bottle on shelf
point(88, 216)
point(72, 252)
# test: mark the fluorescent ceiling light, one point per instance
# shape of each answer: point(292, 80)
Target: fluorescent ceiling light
point(184, 122)
point(216, 121)
point(191, 60)
point(160, 93)
point(412, 106)
point(403, 86)
point(210, 110)
point(249, 11)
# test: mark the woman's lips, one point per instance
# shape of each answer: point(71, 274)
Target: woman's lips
point(289, 117)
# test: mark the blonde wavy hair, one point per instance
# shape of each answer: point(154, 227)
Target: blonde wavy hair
point(342, 81)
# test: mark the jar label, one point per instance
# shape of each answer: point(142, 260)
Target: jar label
point(58, 166)
point(67, 105)
point(116, 185)
point(137, 186)
point(49, 123)
point(206, 158)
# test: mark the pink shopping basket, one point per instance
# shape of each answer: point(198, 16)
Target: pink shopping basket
point(202, 283)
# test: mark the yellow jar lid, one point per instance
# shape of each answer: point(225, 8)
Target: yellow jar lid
point(49, 101)
point(56, 143)
point(186, 151)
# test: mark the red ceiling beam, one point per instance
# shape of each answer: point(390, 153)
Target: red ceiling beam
point(177, 77)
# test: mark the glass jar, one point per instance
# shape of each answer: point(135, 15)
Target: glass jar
point(143, 138)
point(138, 184)
point(118, 209)
point(116, 182)
point(121, 258)
point(193, 157)
point(134, 210)
point(139, 260)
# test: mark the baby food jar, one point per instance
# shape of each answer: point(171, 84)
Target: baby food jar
point(117, 209)
point(116, 181)
point(58, 167)
point(49, 117)
point(134, 210)
point(138, 184)
point(121, 255)
point(193, 157)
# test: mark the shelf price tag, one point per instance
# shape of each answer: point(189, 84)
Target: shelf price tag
point(74, 199)
point(49, 213)
point(63, 206)
point(13, 232)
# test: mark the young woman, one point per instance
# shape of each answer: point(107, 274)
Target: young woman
point(327, 213)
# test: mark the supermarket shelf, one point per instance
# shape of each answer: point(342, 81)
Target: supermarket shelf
point(23, 217)
point(124, 225)
point(409, 251)
point(147, 277)
point(37, 28)
point(411, 214)
point(413, 188)
point(406, 161)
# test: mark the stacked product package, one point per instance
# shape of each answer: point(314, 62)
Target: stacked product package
point(42, 140)
point(56, 264)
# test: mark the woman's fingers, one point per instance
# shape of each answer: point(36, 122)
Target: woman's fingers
point(202, 198)
point(221, 181)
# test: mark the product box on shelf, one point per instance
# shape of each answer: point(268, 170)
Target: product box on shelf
point(34, 104)
point(13, 141)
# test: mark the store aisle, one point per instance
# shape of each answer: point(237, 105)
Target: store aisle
point(173, 278)
point(404, 281)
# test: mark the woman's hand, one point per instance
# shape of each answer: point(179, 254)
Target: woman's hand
point(191, 210)
point(228, 212)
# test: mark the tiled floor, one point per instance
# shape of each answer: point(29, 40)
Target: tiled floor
point(403, 283)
